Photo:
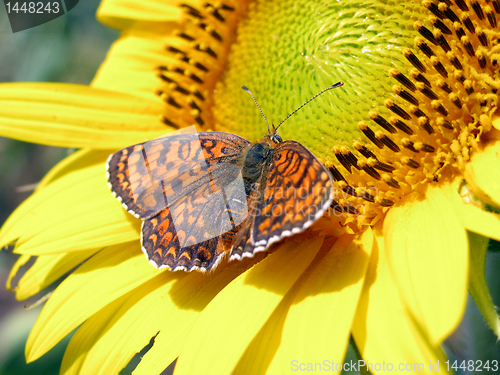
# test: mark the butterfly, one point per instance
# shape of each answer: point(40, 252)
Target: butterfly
point(204, 195)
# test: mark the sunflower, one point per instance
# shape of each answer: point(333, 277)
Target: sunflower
point(411, 140)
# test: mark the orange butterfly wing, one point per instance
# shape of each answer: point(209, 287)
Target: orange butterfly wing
point(295, 190)
point(188, 189)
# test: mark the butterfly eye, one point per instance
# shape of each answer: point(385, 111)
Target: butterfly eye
point(275, 138)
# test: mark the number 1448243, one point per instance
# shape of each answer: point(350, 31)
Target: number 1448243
point(33, 7)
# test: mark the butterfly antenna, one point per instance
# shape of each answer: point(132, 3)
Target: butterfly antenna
point(338, 84)
point(260, 109)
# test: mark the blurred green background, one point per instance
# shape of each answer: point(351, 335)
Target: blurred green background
point(70, 49)
point(67, 49)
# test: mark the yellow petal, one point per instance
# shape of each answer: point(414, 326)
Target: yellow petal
point(68, 115)
point(427, 251)
point(318, 323)
point(262, 352)
point(132, 62)
point(235, 316)
point(120, 14)
point(186, 299)
point(302, 326)
point(12, 228)
point(47, 269)
point(477, 282)
point(472, 217)
point(98, 348)
point(21, 261)
point(75, 212)
point(106, 276)
point(77, 160)
point(483, 175)
point(86, 335)
point(383, 329)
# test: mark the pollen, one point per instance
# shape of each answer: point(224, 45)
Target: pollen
point(440, 107)
point(196, 55)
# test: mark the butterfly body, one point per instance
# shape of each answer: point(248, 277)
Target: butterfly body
point(256, 156)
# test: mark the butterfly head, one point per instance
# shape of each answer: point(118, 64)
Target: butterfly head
point(274, 137)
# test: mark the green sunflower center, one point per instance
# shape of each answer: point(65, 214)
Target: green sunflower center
point(420, 89)
point(287, 51)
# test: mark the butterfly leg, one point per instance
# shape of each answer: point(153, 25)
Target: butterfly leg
point(243, 245)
